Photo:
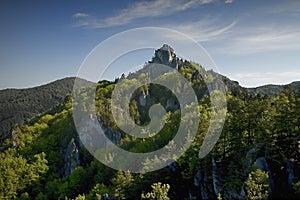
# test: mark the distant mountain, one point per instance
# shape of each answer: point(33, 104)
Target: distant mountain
point(273, 90)
point(17, 105)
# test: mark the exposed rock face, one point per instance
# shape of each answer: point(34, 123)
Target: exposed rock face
point(261, 163)
point(173, 166)
point(114, 136)
point(216, 179)
point(290, 170)
point(201, 181)
point(170, 104)
point(71, 158)
point(250, 156)
point(166, 56)
point(89, 132)
point(144, 99)
point(209, 189)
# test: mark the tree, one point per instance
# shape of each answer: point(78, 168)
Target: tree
point(17, 173)
point(80, 197)
point(159, 192)
point(122, 183)
point(98, 190)
point(257, 185)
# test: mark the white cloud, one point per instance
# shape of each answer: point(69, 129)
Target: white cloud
point(143, 9)
point(204, 30)
point(228, 1)
point(80, 15)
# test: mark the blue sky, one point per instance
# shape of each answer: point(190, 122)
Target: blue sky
point(254, 42)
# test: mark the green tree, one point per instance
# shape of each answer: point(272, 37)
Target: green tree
point(257, 185)
point(98, 190)
point(159, 192)
point(17, 173)
point(122, 183)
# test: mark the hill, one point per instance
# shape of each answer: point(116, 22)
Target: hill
point(17, 105)
point(257, 155)
point(274, 90)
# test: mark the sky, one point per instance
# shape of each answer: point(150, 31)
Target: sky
point(253, 42)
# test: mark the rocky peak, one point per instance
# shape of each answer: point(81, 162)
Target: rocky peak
point(166, 56)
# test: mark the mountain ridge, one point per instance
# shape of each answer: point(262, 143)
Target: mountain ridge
point(37, 100)
point(18, 105)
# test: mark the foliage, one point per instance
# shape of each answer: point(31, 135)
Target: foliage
point(122, 184)
point(18, 105)
point(257, 185)
point(159, 191)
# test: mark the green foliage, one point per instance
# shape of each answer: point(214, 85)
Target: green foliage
point(296, 187)
point(98, 190)
point(257, 185)
point(122, 184)
point(17, 173)
point(80, 197)
point(159, 191)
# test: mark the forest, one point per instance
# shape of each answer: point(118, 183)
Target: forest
point(256, 157)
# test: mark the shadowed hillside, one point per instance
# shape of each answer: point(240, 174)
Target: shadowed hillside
point(17, 105)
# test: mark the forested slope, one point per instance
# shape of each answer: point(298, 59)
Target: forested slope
point(17, 105)
point(256, 157)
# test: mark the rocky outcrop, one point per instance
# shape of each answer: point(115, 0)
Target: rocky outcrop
point(166, 56)
point(114, 136)
point(209, 188)
point(144, 98)
point(172, 166)
point(261, 163)
point(250, 157)
point(170, 104)
point(201, 181)
point(71, 159)
point(89, 135)
point(291, 177)
point(217, 183)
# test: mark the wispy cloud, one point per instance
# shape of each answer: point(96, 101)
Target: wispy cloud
point(142, 9)
point(204, 30)
point(80, 15)
point(265, 38)
point(228, 1)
